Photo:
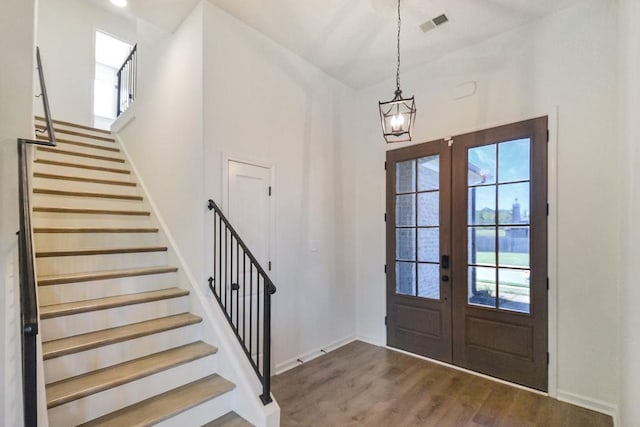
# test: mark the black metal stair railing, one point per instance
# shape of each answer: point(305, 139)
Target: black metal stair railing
point(28, 300)
point(127, 77)
point(243, 289)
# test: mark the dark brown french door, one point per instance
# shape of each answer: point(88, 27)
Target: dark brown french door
point(467, 251)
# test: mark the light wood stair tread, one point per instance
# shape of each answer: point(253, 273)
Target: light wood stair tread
point(90, 211)
point(79, 154)
point(81, 166)
point(79, 144)
point(101, 251)
point(84, 306)
point(59, 279)
point(53, 192)
point(70, 389)
point(64, 230)
point(230, 419)
point(83, 179)
point(75, 133)
point(77, 343)
point(62, 122)
point(163, 406)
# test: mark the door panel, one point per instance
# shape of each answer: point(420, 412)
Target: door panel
point(488, 312)
point(248, 206)
point(499, 246)
point(418, 206)
point(249, 213)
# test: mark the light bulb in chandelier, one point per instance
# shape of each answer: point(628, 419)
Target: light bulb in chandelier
point(396, 122)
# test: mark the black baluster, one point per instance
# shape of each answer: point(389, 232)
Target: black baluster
point(231, 279)
point(219, 257)
point(215, 239)
point(244, 295)
point(237, 284)
point(258, 322)
point(250, 308)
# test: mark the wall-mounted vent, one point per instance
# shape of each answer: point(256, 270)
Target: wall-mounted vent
point(433, 23)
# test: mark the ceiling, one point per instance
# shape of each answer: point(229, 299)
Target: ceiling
point(354, 40)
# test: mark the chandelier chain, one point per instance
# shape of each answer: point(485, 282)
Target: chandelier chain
point(398, 50)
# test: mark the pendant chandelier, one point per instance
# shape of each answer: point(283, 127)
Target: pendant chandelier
point(398, 115)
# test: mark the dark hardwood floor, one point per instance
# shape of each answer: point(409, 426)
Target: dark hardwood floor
point(364, 385)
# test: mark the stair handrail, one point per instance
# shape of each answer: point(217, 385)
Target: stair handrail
point(45, 106)
point(263, 371)
point(27, 278)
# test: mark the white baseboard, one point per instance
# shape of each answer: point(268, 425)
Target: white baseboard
point(590, 403)
point(310, 355)
point(370, 340)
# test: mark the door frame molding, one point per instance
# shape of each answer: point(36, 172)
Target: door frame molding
point(226, 158)
point(552, 114)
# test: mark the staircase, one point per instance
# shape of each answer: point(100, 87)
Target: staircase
point(120, 346)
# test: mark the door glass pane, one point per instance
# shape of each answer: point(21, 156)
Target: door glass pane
point(481, 166)
point(514, 247)
point(482, 245)
point(513, 203)
point(481, 204)
point(429, 281)
point(406, 244)
point(406, 278)
point(429, 173)
point(513, 160)
point(482, 286)
point(406, 176)
point(406, 210)
point(514, 286)
point(429, 209)
point(429, 244)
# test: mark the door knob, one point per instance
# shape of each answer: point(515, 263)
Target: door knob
point(445, 278)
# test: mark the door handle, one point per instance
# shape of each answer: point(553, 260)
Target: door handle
point(445, 278)
point(444, 262)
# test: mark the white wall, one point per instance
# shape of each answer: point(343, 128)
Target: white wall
point(165, 138)
point(630, 293)
point(569, 60)
point(262, 102)
point(66, 36)
point(214, 87)
point(17, 36)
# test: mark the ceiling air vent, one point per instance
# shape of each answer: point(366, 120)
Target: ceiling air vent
point(433, 23)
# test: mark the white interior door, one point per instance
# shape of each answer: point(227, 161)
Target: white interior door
point(248, 207)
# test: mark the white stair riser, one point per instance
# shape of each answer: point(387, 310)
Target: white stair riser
point(54, 219)
point(71, 158)
point(59, 126)
point(53, 241)
point(76, 324)
point(71, 292)
point(62, 201)
point(203, 413)
point(87, 263)
point(62, 367)
point(91, 150)
point(99, 404)
point(87, 139)
point(82, 172)
point(94, 187)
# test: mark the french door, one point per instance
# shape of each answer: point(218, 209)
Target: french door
point(467, 251)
